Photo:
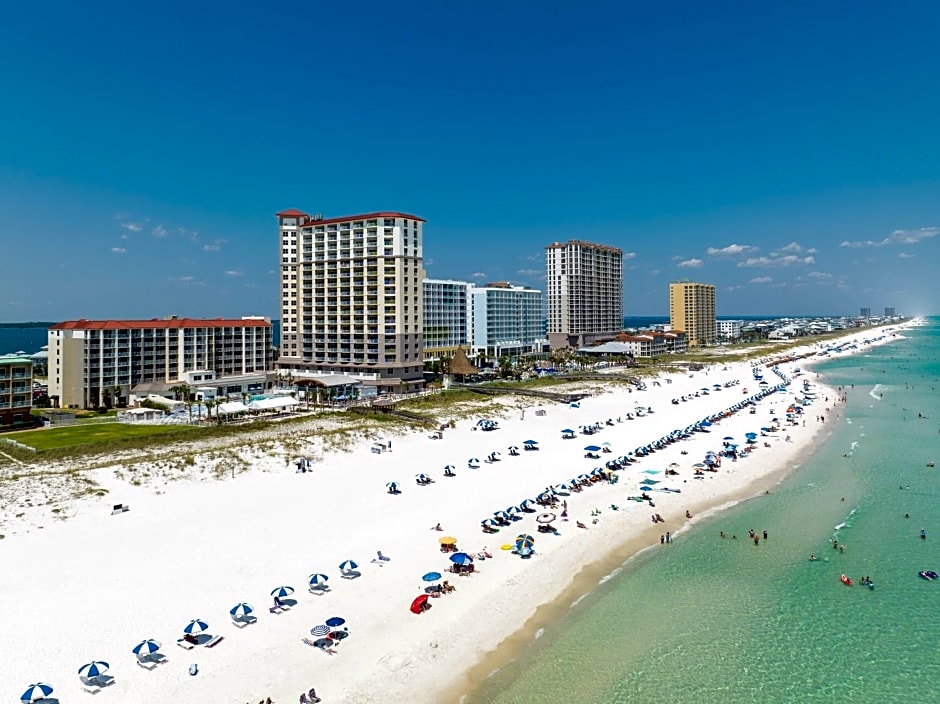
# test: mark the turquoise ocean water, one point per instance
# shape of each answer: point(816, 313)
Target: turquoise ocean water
point(710, 620)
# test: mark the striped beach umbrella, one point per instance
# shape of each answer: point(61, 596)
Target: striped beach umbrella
point(348, 565)
point(35, 692)
point(524, 541)
point(320, 630)
point(241, 610)
point(146, 647)
point(195, 627)
point(96, 668)
point(317, 579)
point(282, 592)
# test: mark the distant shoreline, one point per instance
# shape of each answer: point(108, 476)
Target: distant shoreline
point(27, 325)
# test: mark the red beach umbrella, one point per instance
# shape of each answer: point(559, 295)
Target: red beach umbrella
point(420, 604)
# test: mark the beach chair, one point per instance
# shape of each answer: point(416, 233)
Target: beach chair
point(382, 557)
point(246, 620)
point(185, 644)
point(214, 641)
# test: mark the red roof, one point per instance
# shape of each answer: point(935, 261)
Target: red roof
point(365, 216)
point(157, 323)
point(291, 213)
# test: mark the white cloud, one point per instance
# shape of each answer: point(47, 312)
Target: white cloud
point(732, 250)
point(787, 260)
point(232, 272)
point(215, 246)
point(733, 288)
point(690, 264)
point(654, 272)
point(187, 279)
point(793, 248)
point(132, 226)
point(530, 272)
point(896, 237)
point(761, 280)
point(820, 275)
point(478, 275)
point(629, 255)
point(118, 250)
point(905, 255)
point(160, 231)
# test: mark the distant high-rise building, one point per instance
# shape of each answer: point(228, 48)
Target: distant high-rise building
point(584, 292)
point(889, 312)
point(865, 312)
point(351, 297)
point(692, 310)
point(729, 329)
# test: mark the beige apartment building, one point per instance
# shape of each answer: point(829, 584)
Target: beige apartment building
point(692, 310)
point(584, 292)
point(351, 297)
point(104, 362)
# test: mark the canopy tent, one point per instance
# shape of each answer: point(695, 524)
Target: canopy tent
point(272, 403)
point(231, 407)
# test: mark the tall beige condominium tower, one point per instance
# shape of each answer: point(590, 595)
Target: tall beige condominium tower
point(351, 297)
point(692, 310)
point(584, 292)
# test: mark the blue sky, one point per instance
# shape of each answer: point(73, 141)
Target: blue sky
point(787, 154)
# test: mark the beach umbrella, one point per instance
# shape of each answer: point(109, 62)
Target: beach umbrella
point(524, 541)
point(195, 627)
point(422, 477)
point(320, 630)
point(495, 453)
point(513, 509)
point(605, 444)
point(448, 540)
point(449, 467)
point(93, 669)
point(431, 577)
point(592, 448)
point(727, 437)
point(500, 514)
point(282, 592)
point(488, 522)
point(530, 442)
point(513, 448)
point(418, 604)
point(461, 558)
point(316, 579)
point(473, 460)
point(393, 486)
point(241, 610)
point(35, 692)
point(545, 518)
point(567, 430)
point(335, 621)
point(146, 647)
point(348, 565)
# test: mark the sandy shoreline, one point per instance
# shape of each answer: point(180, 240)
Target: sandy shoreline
point(102, 583)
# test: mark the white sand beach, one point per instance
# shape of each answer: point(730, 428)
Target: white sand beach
point(93, 586)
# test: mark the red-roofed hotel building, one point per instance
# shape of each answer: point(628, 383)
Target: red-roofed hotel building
point(351, 297)
point(97, 362)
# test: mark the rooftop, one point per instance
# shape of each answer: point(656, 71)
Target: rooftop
point(159, 323)
point(312, 222)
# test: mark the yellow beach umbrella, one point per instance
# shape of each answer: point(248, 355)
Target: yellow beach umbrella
point(448, 540)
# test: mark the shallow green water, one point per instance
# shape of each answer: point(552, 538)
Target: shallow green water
point(710, 620)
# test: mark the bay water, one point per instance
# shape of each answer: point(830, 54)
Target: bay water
point(710, 619)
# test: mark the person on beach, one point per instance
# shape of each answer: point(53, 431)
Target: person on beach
point(662, 539)
point(722, 534)
point(765, 535)
point(923, 534)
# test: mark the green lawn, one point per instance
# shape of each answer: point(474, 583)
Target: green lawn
point(73, 435)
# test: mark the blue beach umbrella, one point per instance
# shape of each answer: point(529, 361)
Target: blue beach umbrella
point(488, 522)
point(592, 448)
point(472, 461)
point(422, 477)
point(316, 579)
point(241, 610)
point(335, 622)
point(501, 514)
point(93, 669)
point(392, 486)
point(320, 630)
point(461, 558)
point(35, 692)
point(146, 647)
point(195, 627)
point(282, 592)
point(531, 442)
point(567, 430)
point(449, 467)
point(431, 576)
point(348, 565)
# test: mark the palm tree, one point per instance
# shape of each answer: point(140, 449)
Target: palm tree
point(116, 394)
point(181, 392)
point(210, 404)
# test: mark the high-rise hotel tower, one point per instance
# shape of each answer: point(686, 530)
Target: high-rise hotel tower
point(351, 297)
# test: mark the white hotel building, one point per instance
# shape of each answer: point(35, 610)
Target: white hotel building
point(351, 297)
point(493, 320)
